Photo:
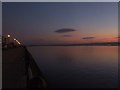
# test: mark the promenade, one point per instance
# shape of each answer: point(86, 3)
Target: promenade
point(13, 68)
point(19, 70)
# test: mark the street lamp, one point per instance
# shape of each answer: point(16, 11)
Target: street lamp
point(17, 41)
point(8, 36)
point(14, 39)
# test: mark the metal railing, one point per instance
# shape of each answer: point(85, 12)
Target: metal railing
point(35, 78)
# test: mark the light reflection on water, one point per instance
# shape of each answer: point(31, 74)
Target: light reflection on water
point(78, 66)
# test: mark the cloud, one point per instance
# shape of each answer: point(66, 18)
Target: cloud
point(65, 30)
point(67, 35)
point(88, 37)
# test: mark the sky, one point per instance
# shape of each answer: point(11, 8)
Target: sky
point(61, 23)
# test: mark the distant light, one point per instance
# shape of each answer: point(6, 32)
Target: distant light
point(17, 41)
point(8, 35)
point(14, 39)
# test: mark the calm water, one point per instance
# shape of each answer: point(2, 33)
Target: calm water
point(78, 66)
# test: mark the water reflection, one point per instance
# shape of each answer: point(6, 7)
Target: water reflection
point(78, 66)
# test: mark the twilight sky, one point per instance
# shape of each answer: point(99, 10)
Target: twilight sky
point(61, 23)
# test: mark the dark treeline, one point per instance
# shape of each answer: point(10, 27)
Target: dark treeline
point(85, 44)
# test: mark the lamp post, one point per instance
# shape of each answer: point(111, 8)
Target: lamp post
point(17, 41)
point(8, 39)
point(14, 41)
point(8, 36)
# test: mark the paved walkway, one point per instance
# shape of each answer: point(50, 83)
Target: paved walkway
point(13, 68)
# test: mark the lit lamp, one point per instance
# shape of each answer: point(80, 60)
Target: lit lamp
point(17, 41)
point(8, 36)
point(14, 39)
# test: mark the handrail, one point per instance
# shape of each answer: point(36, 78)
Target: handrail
point(38, 80)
